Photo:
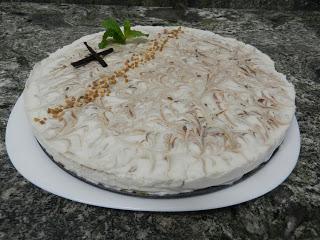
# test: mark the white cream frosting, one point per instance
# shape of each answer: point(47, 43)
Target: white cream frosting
point(205, 111)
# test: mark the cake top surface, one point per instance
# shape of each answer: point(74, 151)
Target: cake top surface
point(181, 104)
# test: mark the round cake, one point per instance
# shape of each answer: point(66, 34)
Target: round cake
point(180, 110)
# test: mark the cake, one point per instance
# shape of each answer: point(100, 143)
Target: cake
point(180, 110)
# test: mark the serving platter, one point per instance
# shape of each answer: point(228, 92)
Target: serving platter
point(35, 165)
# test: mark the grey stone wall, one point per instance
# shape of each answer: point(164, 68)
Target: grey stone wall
point(235, 4)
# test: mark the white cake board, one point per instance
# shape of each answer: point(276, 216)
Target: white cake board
point(29, 159)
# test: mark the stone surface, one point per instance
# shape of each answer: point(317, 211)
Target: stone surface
point(235, 4)
point(28, 32)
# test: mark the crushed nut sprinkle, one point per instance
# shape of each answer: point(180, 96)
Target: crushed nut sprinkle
point(101, 87)
point(40, 120)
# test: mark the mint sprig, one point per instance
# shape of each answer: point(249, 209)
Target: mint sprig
point(113, 31)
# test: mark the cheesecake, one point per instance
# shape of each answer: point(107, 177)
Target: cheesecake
point(180, 110)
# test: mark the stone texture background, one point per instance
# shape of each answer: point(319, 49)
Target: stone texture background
point(235, 4)
point(29, 31)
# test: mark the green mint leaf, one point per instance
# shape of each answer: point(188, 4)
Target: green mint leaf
point(126, 27)
point(102, 44)
point(104, 41)
point(113, 31)
point(128, 33)
point(135, 33)
point(113, 27)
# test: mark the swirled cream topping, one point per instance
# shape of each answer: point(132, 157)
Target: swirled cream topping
point(200, 110)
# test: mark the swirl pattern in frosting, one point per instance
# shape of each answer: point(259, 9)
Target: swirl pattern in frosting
point(203, 112)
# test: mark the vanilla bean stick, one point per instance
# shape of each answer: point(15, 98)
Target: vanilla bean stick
point(90, 58)
point(96, 56)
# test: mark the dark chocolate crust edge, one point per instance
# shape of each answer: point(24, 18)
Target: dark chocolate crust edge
point(142, 194)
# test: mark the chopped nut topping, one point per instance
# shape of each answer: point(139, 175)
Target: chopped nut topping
point(101, 87)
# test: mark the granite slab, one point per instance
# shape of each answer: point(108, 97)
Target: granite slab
point(234, 4)
point(29, 31)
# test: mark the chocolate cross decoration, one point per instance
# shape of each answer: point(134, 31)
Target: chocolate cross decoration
point(93, 56)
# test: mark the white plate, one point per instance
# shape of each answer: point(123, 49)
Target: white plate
point(29, 159)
